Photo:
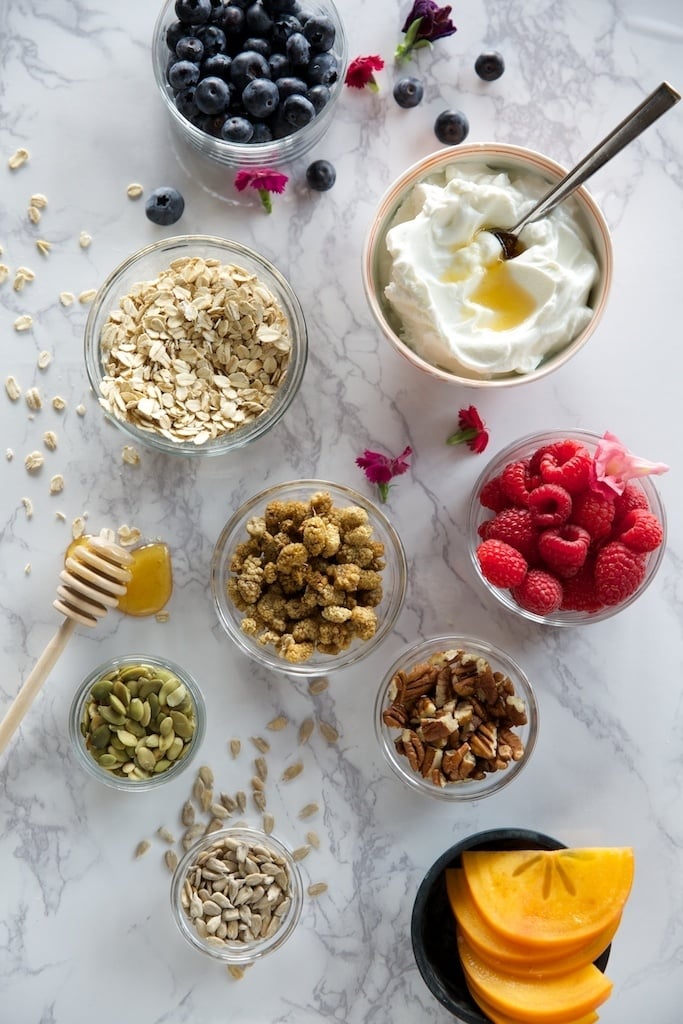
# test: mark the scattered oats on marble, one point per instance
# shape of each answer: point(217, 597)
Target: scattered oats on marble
point(128, 535)
point(23, 322)
point(33, 461)
point(78, 527)
point(4, 272)
point(60, 516)
point(162, 616)
point(34, 214)
point(58, 403)
point(21, 276)
point(18, 158)
point(44, 359)
point(38, 200)
point(28, 507)
point(87, 296)
point(134, 190)
point(12, 388)
point(27, 569)
point(81, 410)
point(84, 239)
point(33, 399)
point(67, 298)
point(142, 847)
point(9, 454)
point(50, 440)
point(57, 484)
point(130, 455)
point(43, 246)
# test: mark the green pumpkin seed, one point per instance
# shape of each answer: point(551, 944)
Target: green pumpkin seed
point(111, 717)
point(177, 696)
point(100, 737)
point(101, 690)
point(107, 761)
point(167, 689)
point(136, 709)
point(122, 692)
point(149, 686)
point(166, 725)
point(176, 749)
point(182, 725)
point(132, 672)
point(117, 705)
point(162, 764)
point(126, 738)
point(153, 701)
point(145, 759)
point(166, 741)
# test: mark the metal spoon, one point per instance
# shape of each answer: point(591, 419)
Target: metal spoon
point(652, 107)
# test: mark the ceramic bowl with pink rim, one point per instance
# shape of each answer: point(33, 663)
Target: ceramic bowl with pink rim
point(439, 289)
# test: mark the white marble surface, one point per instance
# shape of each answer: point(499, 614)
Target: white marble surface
point(85, 931)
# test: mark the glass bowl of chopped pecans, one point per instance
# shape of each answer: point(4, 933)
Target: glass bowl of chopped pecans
point(195, 345)
point(456, 718)
point(237, 895)
point(308, 576)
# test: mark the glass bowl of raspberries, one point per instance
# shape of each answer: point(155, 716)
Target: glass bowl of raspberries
point(250, 84)
point(566, 526)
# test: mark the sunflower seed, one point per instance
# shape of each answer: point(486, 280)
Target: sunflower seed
point(292, 771)
point(142, 847)
point(206, 775)
point(261, 768)
point(277, 724)
point(241, 799)
point(313, 840)
point(260, 744)
point(235, 747)
point(308, 811)
point(328, 731)
point(319, 685)
point(268, 823)
point(301, 852)
point(171, 858)
point(228, 802)
point(165, 834)
point(317, 889)
point(306, 730)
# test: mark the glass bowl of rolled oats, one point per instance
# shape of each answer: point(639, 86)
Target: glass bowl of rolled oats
point(137, 721)
point(195, 345)
point(308, 576)
point(456, 718)
point(237, 895)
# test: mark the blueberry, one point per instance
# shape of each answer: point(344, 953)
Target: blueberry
point(248, 65)
point(262, 133)
point(279, 66)
point(451, 127)
point(298, 49)
point(408, 92)
point(185, 103)
point(489, 66)
point(217, 66)
point(258, 20)
point(237, 129)
point(217, 8)
point(319, 95)
point(182, 74)
point(260, 97)
point(280, 6)
point(258, 45)
point(190, 48)
point(320, 33)
point(290, 86)
point(297, 111)
point(323, 69)
point(193, 12)
point(232, 20)
point(213, 39)
point(284, 26)
point(321, 175)
point(165, 205)
point(212, 124)
point(175, 32)
point(212, 95)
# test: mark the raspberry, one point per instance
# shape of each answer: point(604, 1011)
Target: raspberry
point(594, 512)
point(539, 592)
point(618, 572)
point(579, 591)
point(517, 481)
point(633, 496)
point(568, 464)
point(516, 527)
point(640, 530)
point(550, 505)
point(564, 548)
point(501, 564)
point(492, 495)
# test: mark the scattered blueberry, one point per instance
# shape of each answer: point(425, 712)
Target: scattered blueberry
point(260, 97)
point(237, 129)
point(321, 175)
point(212, 95)
point(408, 92)
point(489, 66)
point(164, 206)
point(451, 127)
point(190, 48)
point(193, 12)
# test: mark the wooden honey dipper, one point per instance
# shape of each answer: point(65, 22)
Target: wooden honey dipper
point(93, 579)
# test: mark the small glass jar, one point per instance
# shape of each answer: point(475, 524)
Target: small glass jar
point(394, 577)
point(467, 789)
point(477, 514)
point(145, 265)
point(264, 850)
point(78, 713)
point(273, 154)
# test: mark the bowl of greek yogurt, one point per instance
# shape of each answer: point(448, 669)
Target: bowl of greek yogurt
point(439, 289)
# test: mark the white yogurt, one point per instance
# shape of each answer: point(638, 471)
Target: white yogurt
point(460, 306)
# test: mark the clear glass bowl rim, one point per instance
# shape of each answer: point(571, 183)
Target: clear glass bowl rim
point(500, 660)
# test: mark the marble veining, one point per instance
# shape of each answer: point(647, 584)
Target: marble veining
point(85, 929)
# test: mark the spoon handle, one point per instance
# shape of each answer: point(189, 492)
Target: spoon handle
point(652, 107)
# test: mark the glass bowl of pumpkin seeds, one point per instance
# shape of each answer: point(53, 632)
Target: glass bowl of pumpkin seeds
point(137, 721)
point(237, 894)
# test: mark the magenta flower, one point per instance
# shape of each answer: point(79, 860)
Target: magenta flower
point(471, 430)
point(426, 23)
point(381, 469)
point(614, 465)
point(360, 72)
point(265, 180)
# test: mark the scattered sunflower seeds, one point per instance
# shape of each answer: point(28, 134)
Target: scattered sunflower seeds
point(317, 889)
point(277, 724)
point(308, 811)
point(261, 768)
point(260, 744)
point(319, 685)
point(268, 823)
point(166, 835)
point(301, 852)
point(235, 747)
point(313, 839)
point(142, 848)
point(328, 731)
point(171, 859)
point(187, 814)
point(292, 771)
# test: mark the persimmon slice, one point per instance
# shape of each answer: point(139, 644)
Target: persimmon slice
point(511, 956)
point(557, 1000)
point(502, 1018)
point(550, 898)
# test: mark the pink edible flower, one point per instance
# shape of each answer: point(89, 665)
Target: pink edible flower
point(426, 23)
point(360, 72)
point(265, 180)
point(471, 430)
point(381, 469)
point(614, 465)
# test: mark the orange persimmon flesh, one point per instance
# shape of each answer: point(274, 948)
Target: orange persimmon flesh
point(550, 898)
point(560, 999)
point(508, 955)
point(502, 1018)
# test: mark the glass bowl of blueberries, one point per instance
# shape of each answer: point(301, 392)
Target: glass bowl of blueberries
point(250, 83)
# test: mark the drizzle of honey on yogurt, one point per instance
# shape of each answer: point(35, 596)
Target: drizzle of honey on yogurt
point(151, 583)
point(509, 303)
